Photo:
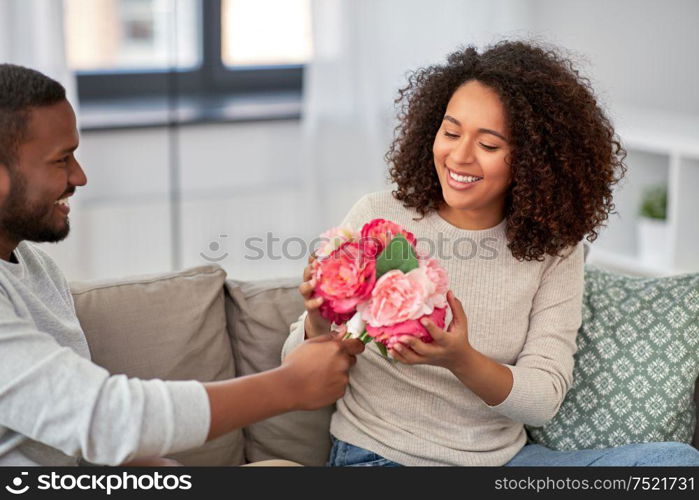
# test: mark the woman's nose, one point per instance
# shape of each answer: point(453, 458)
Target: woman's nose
point(463, 151)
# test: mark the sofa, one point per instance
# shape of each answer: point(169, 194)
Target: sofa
point(200, 324)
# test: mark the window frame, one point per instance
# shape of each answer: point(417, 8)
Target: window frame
point(210, 79)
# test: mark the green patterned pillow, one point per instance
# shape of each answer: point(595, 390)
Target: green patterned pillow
point(636, 365)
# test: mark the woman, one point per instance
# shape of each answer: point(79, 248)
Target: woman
point(503, 163)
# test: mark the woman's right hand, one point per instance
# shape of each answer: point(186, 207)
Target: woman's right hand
point(315, 325)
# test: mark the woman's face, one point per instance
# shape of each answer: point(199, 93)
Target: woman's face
point(470, 152)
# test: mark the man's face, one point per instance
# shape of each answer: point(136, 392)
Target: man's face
point(45, 174)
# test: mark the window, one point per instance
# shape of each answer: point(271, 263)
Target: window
point(253, 37)
point(205, 49)
point(132, 35)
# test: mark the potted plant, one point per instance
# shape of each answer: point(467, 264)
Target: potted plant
point(653, 227)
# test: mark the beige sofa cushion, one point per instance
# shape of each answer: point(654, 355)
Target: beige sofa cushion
point(259, 315)
point(167, 326)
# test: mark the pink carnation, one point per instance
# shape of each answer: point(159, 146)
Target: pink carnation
point(437, 282)
point(389, 335)
point(345, 279)
point(396, 297)
point(382, 231)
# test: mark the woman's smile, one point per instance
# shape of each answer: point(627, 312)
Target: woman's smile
point(461, 182)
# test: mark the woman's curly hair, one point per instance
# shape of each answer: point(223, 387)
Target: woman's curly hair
point(565, 157)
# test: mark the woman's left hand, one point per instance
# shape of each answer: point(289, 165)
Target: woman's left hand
point(447, 348)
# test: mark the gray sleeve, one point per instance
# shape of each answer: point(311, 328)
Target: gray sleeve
point(543, 372)
point(51, 268)
point(54, 396)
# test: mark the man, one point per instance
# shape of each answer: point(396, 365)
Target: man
point(56, 406)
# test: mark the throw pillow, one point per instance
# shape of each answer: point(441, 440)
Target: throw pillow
point(170, 326)
point(259, 315)
point(636, 365)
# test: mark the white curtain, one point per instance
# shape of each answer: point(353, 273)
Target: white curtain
point(31, 34)
point(363, 50)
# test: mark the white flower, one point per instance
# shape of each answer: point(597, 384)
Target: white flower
point(356, 325)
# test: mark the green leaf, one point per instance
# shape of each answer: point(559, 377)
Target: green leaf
point(382, 348)
point(398, 254)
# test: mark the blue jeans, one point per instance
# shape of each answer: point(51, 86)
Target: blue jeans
point(344, 454)
point(639, 454)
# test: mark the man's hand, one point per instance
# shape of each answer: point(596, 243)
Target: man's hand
point(313, 375)
point(317, 371)
point(315, 325)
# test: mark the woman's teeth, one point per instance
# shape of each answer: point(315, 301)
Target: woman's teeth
point(463, 178)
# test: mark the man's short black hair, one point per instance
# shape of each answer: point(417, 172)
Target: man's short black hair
point(20, 90)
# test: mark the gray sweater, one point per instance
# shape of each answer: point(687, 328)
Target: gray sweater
point(56, 406)
point(524, 315)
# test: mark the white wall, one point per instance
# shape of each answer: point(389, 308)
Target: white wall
point(642, 53)
point(236, 177)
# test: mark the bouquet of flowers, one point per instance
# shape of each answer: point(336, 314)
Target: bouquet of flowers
point(376, 283)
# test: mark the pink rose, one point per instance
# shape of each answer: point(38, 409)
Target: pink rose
point(389, 335)
point(382, 231)
point(344, 279)
point(396, 297)
point(437, 282)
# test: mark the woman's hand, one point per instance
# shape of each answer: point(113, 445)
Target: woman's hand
point(448, 348)
point(488, 379)
point(315, 325)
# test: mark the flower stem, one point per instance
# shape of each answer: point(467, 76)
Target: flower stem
point(365, 338)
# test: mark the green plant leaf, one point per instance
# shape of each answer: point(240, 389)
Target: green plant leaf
point(398, 254)
point(654, 203)
point(382, 348)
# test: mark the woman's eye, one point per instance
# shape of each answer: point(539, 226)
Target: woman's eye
point(489, 148)
point(452, 136)
point(62, 160)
